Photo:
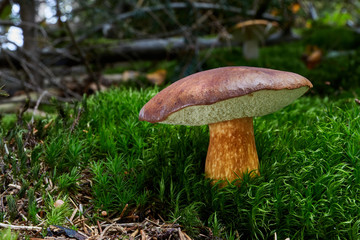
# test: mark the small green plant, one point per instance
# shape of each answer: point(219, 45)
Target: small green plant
point(122, 184)
point(215, 226)
point(187, 216)
point(12, 208)
point(54, 151)
point(21, 152)
point(56, 215)
point(68, 182)
point(2, 216)
point(32, 208)
point(7, 234)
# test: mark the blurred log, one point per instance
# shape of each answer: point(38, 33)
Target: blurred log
point(146, 49)
point(152, 49)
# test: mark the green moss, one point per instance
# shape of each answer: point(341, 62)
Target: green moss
point(309, 167)
point(307, 153)
point(8, 121)
point(100, 41)
point(331, 37)
point(7, 234)
point(309, 179)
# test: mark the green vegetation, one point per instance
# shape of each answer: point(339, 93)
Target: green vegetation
point(6, 234)
point(98, 152)
point(309, 167)
point(309, 177)
point(56, 215)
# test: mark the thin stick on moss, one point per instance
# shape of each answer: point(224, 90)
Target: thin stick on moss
point(16, 227)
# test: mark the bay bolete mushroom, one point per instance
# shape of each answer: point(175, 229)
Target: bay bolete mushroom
point(226, 99)
point(251, 34)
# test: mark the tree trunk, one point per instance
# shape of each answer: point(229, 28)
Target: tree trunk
point(27, 15)
point(28, 11)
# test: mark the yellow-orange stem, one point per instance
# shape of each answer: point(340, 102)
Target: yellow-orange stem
point(232, 150)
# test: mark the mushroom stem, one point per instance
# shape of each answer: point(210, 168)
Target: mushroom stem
point(232, 149)
point(251, 49)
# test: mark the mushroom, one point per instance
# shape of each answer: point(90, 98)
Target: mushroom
point(226, 99)
point(251, 33)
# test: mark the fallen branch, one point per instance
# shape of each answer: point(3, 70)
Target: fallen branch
point(149, 49)
point(16, 227)
point(144, 49)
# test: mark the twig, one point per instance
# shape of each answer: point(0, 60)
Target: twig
point(98, 224)
point(76, 120)
point(6, 149)
point(105, 230)
point(181, 235)
point(84, 225)
point(67, 219)
point(16, 227)
point(123, 224)
point(187, 236)
point(37, 106)
point(41, 68)
point(134, 233)
point(172, 224)
point(23, 216)
point(161, 218)
point(23, 64)
point(73, 214)
point(15, 186)
point(123, 211)
point(154, 223)
point(143, 234)
point(139, 224)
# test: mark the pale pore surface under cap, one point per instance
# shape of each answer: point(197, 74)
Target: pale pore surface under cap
point(259, 103)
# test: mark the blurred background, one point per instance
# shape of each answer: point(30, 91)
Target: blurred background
point(65, 48)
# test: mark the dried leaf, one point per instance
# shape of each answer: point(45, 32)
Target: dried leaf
point(312, 56)
point(158, 77)
point(295, 7)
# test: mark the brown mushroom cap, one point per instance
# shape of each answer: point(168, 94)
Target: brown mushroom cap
point(223, 94)
point(255, 22)
point(254, 29)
